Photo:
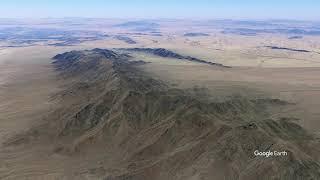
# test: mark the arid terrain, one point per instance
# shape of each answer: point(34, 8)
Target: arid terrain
point(158, 99)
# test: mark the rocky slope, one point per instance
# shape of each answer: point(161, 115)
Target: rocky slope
point(157, 132)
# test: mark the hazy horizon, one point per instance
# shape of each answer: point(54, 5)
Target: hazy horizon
point(174, 9)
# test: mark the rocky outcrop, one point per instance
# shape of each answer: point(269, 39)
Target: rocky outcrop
point(288, 49)
point(196, 34)
point(126, 39)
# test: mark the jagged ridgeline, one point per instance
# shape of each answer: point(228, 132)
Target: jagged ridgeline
point(164, 133)
point(170, 54)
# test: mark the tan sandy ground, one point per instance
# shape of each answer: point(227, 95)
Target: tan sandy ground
point(28, 81)
point(26, 85)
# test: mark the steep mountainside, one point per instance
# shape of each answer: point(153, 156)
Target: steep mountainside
point(158, 132)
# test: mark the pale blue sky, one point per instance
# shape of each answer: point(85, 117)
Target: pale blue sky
point(236, 9)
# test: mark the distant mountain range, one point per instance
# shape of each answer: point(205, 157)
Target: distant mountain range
point(139, 25)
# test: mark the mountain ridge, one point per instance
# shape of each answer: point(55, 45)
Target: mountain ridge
point(154, 131)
